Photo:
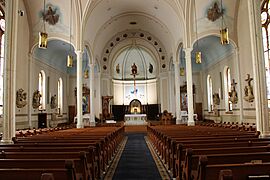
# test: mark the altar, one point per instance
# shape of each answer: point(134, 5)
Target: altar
point(135, 119)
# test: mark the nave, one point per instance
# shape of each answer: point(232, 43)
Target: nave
point(207, 151)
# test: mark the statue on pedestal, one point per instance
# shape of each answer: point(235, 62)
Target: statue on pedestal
point(249, 97)
point(134, 69)
point(233, 94)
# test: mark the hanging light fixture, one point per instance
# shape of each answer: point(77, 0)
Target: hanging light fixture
point(86, 72)
point(198, 54)
point(43, 36)
point(224, 31)
point(182, 71)
point(70, 57)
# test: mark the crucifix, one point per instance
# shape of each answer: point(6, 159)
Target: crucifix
point(134, 73)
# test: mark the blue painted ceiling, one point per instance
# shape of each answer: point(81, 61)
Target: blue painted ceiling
point(56, 56)
point(212, 52)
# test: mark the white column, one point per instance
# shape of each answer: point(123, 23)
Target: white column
point(262, 121)
point(238, 75)
point(79, 90)
point(30, 85)
point(92, 109)
point(189, 87)
point(177, 91)
point(10, 71)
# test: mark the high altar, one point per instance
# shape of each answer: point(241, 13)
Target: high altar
point(135, 118)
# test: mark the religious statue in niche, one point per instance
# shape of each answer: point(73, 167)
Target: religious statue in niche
point(233, 94)
point(21, 98)
point(134, 69)
point(50, 15)
point(216, 99)
point(36, 99)
point(117, 69)
point(214, 12)
point(53, 103)
point(249, 97)
point(151, 68)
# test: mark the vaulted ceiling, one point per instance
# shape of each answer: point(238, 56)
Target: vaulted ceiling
point(171, 21)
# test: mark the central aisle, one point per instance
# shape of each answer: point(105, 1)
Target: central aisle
point(136, 161)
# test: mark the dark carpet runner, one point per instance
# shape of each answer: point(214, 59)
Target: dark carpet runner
point(136, 161)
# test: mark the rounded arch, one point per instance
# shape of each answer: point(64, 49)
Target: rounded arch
point(210, 93)
point(206, 34)
point(146, 62)
point(42, 89)
point(51, 38)
point(227, 87)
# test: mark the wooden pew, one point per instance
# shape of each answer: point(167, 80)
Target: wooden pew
point(239, 171)
point(191, 163)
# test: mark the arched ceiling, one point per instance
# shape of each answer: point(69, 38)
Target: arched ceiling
point(109, 17)
point(103, 19)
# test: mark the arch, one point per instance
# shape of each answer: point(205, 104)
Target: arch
point(227, 88)
point(146, 61)
point(210, 93)
point(50, 39)
point(60, 95)
point(135, 106)
point(42, 89)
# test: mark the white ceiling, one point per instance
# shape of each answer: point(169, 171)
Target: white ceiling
point(103, 19)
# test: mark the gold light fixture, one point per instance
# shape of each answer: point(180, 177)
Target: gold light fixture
point(224, 31)
point(182, 71)
point(69, 60)
point(86, 74)
point(70, 57)
point(43, 36)
point(198, 54)
point(198, 57)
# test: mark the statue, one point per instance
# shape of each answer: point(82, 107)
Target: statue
point(36, 99)
point(117, 69)
point(50, 16)
point(134, 69)
point(105, 106)
point(150, 68)
point(214, 12)
point(233, 94)
point(216, 99)
point(249, 97)
point(21, 98)
point(53, 103)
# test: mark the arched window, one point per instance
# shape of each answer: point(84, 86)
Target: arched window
point(210, 93)
point(42, 89)
point(60, 96)
point(227, 88)
point(2, 45)
point(265, 20)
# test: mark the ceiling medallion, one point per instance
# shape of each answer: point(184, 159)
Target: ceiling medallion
point(214, 12)
point(50, 15)
point(3, 2)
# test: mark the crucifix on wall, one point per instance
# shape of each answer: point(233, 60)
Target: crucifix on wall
point(134, 73)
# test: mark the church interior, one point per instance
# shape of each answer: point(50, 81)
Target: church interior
point(117, 89)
